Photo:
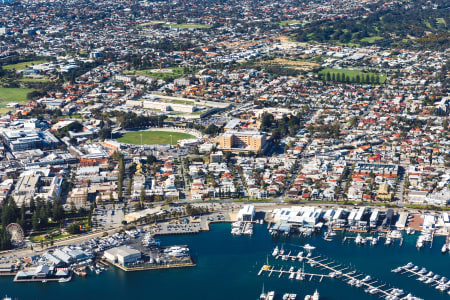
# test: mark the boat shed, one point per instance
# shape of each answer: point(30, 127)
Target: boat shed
point(387, 223)
point(402, 220)
point(352, 217)
point(247, 213)
point(123, 255)
point(282, 227)
point(374, 216)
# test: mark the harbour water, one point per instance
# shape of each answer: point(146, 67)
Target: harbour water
point(227, 268)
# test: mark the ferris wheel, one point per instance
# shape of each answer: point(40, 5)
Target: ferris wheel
point(16, 233)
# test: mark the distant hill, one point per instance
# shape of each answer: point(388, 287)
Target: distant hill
point(416, 24)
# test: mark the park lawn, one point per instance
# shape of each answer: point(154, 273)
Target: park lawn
point(188, 26)
point(18, 95)
point(151, 23)
point(153, 137)
point(287, 22)
point(371, 39)
point(441, 21)
point(41, 237)
point(174, 112)
point(352, 73)
point(180, 101)
point(24, 65)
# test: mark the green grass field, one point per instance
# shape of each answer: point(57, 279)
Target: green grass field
point(371, 39)
point(153, 137)
point(24, 65)
point(18, 95)
point(176, 73)
point(188, 26)
point(351, 73)
point(35, 80)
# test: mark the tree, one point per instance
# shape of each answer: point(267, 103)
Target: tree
point(212, 130)
point(151, 159)
point(73, 228)
point(142, 196)
point(35, 221)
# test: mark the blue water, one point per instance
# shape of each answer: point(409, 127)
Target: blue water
point(227, 268)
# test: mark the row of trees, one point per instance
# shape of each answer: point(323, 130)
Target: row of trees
point(342, 77)
point(132, 120)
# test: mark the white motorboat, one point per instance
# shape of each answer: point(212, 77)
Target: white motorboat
point(374, 241)
point(315, 296)
point(422, 271)
point(263, 295)
point(358, 239)
point(275, 251)
point(444, 248)
point(270, 295)
point(388, 241)
point(308, 247)
point(419, 243)
point(429, 280)
point(421, 278)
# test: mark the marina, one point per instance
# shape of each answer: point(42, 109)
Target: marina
point(220, 256)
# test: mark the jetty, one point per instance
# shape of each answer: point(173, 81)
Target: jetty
point(424, 275)
point(282, 272)
point(336, 270)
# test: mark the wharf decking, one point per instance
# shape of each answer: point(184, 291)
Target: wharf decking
point(154, 267)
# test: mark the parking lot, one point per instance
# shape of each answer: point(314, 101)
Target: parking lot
point(108, 218)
